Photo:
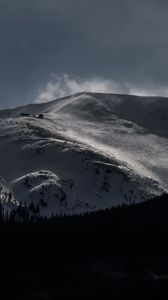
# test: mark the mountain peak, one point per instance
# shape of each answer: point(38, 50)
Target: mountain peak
point(85, 152)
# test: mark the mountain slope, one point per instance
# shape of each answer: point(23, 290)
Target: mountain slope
point(89, 151)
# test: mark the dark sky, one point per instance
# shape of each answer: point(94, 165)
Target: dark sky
point(49, 48)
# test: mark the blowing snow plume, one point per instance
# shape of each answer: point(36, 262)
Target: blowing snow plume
point(65, 85)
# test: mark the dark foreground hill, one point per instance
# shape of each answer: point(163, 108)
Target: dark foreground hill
point(120, 253)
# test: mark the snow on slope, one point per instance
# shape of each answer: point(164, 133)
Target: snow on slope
point(7, 199)
point(90, 151)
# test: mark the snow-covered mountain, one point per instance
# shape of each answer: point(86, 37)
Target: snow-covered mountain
point(84, 152)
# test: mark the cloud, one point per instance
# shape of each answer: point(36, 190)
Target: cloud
point(65, 85)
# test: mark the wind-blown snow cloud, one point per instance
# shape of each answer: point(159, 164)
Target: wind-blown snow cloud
point(65, 85)
point(161, 91)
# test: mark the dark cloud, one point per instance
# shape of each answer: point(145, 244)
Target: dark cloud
point(125, 41)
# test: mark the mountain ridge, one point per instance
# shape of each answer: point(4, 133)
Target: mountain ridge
point(86, 93)
point(114, 151)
